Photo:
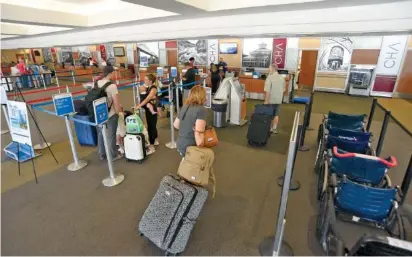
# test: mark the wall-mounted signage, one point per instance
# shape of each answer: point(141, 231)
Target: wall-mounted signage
point(279, 52)
point(391, 54)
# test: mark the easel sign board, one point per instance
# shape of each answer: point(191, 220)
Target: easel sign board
point(63, 104)
point(173, 71)
point(208, 103)
point(19, 122)
point(101, 112)
point(159, 72)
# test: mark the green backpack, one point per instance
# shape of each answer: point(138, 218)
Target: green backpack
point(134, 125)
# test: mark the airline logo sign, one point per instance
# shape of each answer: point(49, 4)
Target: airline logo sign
point(391, 55)
point(279, 52)
point(212, 51)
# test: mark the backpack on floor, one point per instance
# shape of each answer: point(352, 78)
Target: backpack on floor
point(134, 125)
point(94, 94)
point(197, 167)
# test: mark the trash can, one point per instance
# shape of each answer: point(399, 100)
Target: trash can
point(219, 108)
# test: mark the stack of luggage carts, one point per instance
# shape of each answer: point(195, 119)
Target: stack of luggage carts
point(353, 185)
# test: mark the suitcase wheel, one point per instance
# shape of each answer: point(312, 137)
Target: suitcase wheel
point(141, 234)
point(140, 162)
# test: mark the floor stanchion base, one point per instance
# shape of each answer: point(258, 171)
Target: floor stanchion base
point(80, 165)
point(171, 145)
point(266, 248)
point(5, 131)
point(111, 182)
point(304, 148)
point(41, 146)
point(294, 184)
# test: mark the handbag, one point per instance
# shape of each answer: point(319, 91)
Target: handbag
point(211, 139)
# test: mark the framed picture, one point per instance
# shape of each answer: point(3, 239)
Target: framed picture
point(119, 51)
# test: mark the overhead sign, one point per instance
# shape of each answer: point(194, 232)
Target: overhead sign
point(159, 72)
point(279, 52)
point(19, 122)
point(213, 51)
point(391, 55)
point(208, 103)
point(101, 112)
point(173, 72)
point(63, 104)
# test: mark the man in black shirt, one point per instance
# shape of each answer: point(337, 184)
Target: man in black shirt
point(189, 77)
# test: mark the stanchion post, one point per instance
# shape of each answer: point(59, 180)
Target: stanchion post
point(368, 126)
point(406, 182)
point(383, 133)
point(172, 143)
point(6, 116)
point(74, 80)
point(113, 179)
point(301, 145)
point(310, 112)
point(43, 81)
point(57, 82)
point(76, 164)
point(177, 99)
point(42, 144)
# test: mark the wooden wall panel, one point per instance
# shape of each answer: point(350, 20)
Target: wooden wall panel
point(328, 80)
point(308, 67)
point(405, 78)
point(309, 43)
point(232, 60)
point(365, 56)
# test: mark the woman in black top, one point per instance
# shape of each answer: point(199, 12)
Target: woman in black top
point(151, 118)
point(215, 78)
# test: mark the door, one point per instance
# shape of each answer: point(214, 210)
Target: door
point(172, 57)
point(308, 67)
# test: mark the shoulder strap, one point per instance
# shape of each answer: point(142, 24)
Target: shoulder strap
point(95, 85)
point(184, 114)
point(106, 85)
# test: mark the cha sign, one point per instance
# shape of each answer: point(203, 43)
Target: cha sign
point(390, 57)
point(212, 51)
point(279, 52)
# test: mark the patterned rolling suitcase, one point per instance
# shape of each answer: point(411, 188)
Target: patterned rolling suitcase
point(259, 129)
point(171, 215)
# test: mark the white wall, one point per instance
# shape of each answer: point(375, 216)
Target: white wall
point(390, 17)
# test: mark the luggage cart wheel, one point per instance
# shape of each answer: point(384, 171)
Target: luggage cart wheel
point(140, 162)
point(141, 234)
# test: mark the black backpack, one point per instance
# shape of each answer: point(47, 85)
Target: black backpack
point(94, 94)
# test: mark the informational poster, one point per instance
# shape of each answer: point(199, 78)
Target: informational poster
point(67, 55)
point(144, 62)
point(257, 52)
point(63, 104)
point(213, 51)
point(208, 103)
point(159, 72)
point(3, 94)
point(110, 58)
point(391, 55)
point(19, 122)
point(335, 54)
point(279, 52)
point(100, 108)
point(47, 55)
point(193, 48)
point(173, 72)
point(103, 52)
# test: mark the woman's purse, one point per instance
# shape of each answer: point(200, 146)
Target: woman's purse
point(211, 139)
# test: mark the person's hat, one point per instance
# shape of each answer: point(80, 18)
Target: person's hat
point(107, 70)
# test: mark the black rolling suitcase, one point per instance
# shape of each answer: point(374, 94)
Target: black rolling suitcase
point(171, 215)
point(259, 129)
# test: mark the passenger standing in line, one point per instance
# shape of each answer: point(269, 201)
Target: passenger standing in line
point(191, 121)
point(189, 77)
point(151, 118)
point(192, 62)
point(214, 78)
point(274, 89)
point(114, 109)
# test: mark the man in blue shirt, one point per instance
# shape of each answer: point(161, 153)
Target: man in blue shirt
point(222, 65)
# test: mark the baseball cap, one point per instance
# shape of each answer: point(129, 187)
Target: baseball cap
point(107, 70)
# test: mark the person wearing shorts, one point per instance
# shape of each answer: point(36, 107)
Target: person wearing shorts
point(274, 90)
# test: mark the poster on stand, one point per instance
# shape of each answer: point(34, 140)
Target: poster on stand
point(150, 50)
point(144, 61)
point(192, 48)
point(335, 54)
point(19, 122)
point(279, 52)
point(212, 51)
point(257, 52)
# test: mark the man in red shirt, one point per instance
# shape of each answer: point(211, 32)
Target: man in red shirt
point(21, 66)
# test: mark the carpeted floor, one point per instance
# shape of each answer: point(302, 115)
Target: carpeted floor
point(72, 213)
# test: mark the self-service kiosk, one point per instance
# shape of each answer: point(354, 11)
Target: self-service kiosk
point(232, 92)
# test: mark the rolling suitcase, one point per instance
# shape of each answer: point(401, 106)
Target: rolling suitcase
point(259, 129)
point(135, 147)
point(171, 215)
point(86, 134)
point(268, 109)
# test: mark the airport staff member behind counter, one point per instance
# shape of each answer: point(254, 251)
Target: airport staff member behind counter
point(189, 77)
point(274, 89)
